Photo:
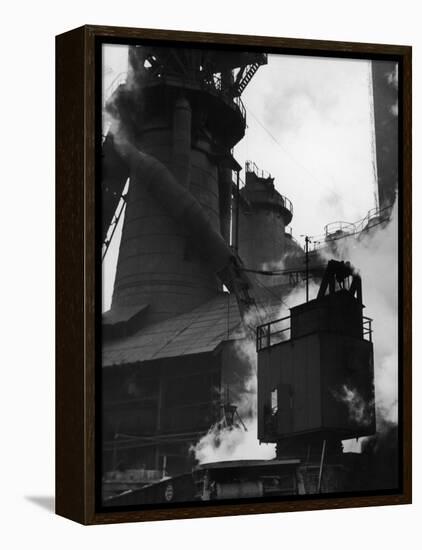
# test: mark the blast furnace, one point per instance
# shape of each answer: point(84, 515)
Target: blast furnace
point(168, 338)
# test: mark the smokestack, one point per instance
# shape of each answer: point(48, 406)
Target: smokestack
point(385, 90)
point(176, 115)
point(160, 260)
point(264, 214)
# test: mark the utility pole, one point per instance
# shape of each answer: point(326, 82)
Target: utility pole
point(307, 241)
point(307, 265)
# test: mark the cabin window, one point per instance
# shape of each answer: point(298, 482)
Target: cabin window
point(274, 401)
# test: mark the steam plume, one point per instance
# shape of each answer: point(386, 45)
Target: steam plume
point(235, 443)
point(375, 255)
point(360, 411)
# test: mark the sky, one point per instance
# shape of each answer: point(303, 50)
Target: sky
point(309, 125)
point(317, 139)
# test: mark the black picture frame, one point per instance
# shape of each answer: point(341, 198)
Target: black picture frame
point(78, 272)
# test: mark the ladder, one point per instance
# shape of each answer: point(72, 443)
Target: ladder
point(247, 78)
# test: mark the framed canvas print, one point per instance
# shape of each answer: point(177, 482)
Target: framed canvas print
point(233, 274)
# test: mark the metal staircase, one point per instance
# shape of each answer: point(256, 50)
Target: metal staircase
point(251, 70)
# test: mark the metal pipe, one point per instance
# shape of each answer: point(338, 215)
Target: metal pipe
point(321, 466)
point(114, 173)
point(182, 206)
point(307, 266)
point(179, 202)
point(225, 195)
point(181, 154)
point(237, 211)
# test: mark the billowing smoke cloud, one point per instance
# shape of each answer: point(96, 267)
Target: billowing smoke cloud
point(317, 112)
point(239, 441)
point(235, 443)
point(115, 63)
point(375, 255)
point(360, 411)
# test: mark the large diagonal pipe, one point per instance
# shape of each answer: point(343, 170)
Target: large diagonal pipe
point(179, 202)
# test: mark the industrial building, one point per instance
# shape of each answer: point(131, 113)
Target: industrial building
point(195, 238)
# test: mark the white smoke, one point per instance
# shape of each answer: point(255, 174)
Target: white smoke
point(277, 265)
point(298, 296)
point(394, 109)
point(360, 410)
point(236, 442)
point(375, 255)
point(233, 444)
point(246, 351)
point(393, 77)
point(393, 80)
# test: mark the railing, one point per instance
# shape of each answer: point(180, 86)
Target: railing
point(213, 85)
point(367, 328)
point(334, 228)
point(287, 203)
point(338, 230)
point(374, 217)
point(272, 333)
point(251, 166)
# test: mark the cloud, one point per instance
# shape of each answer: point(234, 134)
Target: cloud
point(375, 255)
point(317, 111)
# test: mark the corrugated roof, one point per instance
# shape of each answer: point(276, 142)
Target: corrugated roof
point(122, 314)
point(198, 331)
point(247, 463)
point(201, 330)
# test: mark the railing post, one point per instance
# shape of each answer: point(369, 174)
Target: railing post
point(237, 211)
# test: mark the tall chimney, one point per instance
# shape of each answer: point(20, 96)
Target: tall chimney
point(175, 111)
point(263, 217)
point(385, 90)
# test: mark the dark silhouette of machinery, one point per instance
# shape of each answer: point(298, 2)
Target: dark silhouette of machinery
point(168, 165)
point(230, 417)
point(314, 389)
point(168, 157)
point(315, 370)
point(177, 117)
